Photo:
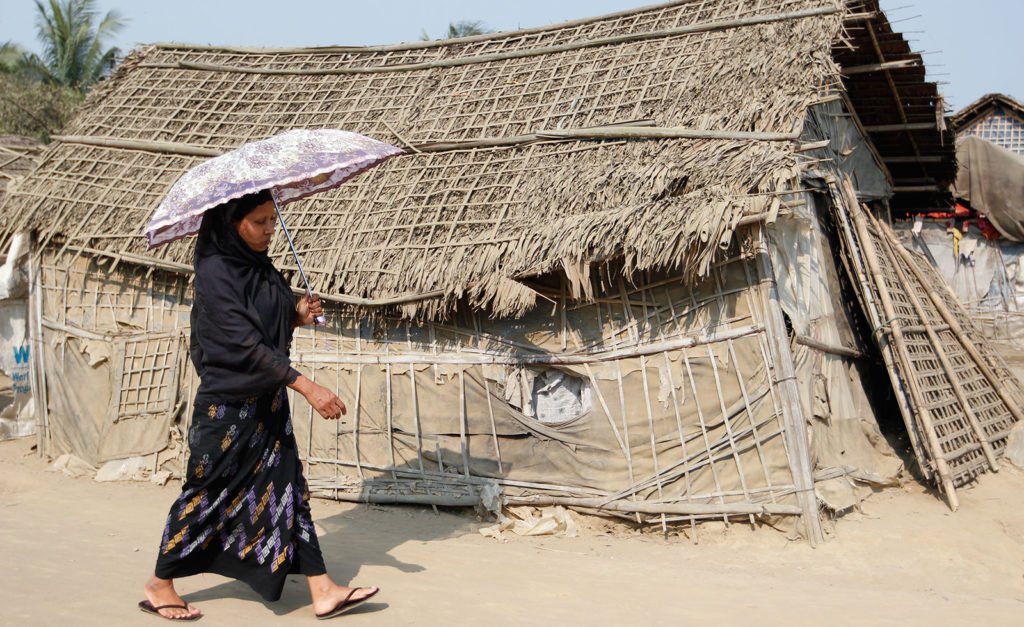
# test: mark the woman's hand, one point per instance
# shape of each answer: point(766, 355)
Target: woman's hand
point(324, 401)
point(307, 310)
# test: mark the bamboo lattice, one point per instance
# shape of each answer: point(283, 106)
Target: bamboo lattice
point(737, 75)
point(962, 399)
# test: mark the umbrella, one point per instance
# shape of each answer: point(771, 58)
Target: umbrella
point(292, 165)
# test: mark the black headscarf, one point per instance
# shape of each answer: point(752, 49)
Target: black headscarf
point(241, 311)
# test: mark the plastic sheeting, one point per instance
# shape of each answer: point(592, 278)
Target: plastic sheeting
point(17, 411)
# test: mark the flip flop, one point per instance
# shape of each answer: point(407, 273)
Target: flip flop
point(148, 608)
point(346, 604)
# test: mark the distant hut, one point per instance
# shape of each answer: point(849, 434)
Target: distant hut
point(615, 270)
point(18, 156)
point(977, 244)
point(996, 118)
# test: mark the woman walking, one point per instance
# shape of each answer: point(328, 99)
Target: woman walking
point(244, 508)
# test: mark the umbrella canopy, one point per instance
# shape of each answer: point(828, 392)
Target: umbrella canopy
point(293, 164)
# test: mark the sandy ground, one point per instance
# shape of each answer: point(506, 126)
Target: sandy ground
point(75, 552)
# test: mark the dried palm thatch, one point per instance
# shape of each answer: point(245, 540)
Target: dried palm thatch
point(18, 156)
point(697, 107)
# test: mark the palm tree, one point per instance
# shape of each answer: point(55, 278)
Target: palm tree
point(463, 28)
point(11, 55)
point(466, 28)
point(74, 39)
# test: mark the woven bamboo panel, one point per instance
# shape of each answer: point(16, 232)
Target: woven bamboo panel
point(960, 443)
point(469, 221)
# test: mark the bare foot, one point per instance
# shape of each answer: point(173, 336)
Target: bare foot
point(327, 594)
point(161, 592)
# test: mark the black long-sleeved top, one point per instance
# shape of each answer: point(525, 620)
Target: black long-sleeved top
point(242, 314)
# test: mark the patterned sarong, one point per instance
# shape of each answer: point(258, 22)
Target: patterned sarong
point(244, 509)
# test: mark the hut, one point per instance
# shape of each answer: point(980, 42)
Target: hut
point(17, 419)
point(997, 118)
point(977, 243)
point(605, 275)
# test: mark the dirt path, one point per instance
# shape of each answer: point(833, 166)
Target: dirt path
point(75, 552)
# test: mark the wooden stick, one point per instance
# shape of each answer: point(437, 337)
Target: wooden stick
point(650, 428)
point(703, 427)
point(625, 425)
point(463, 423)
point(842, 351)
point(182, 268)
point(355, 421)
point(494, 428)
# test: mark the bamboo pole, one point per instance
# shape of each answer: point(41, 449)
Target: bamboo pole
point(675, 408)
point(463, 423)
point(494, 427)
point(703, 427)
point(633, 507)
point(484, 358)
point(625, 426)
point(895, 328)
point(841, 351)
point(356, 419)
point(610, 132)
point(947, 367)
point(961, 335)
point(650, 428)
point(789, 393)
point(871, 308)
point(37, 344)
point(689, 29)
point(182, 268)
point(607, 412)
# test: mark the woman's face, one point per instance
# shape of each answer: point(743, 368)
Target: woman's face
point(257, 228)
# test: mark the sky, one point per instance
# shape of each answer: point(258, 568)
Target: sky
point(970, 52)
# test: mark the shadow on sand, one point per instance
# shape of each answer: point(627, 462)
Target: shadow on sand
point(362, 536)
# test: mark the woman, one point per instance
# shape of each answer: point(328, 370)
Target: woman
point(244, 509)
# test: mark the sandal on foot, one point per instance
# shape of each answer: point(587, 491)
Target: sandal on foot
point(148, 608)
point(347, 603)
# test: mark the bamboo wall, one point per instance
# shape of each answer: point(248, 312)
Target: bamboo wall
point(686, 418)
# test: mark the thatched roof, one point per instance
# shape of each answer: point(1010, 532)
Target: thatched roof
point(712, 94)
point(984, 106)
point(18, 155)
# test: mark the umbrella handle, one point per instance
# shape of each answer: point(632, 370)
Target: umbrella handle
point(320, 320)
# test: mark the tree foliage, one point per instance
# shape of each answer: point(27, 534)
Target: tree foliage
point(34, 109)
point(39, 92)
point(74, 38)
point(462, 28)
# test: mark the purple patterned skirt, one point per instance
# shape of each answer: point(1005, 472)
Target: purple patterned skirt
point(244, 509)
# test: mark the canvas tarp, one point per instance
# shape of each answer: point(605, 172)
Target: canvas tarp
point(991, 179)
point(845, 437)
point(17, 411)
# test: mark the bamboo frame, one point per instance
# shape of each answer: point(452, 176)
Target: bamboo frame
point(896, 330)
point(459, 62)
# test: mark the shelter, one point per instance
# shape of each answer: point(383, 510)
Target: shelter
point(997, 118)
point(18, 156)
point(602, 277)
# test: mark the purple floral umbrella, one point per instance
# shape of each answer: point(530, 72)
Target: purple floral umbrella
point(292, 165)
